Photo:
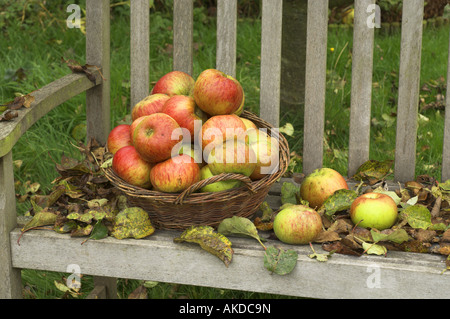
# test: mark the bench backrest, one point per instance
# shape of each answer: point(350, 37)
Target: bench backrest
point(316, 57)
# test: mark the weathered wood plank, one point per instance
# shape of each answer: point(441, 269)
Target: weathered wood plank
point(183, 30)
point(316, 60)
point(361, 93)
point(98, 53)
point(272, 13)
point(408, 92)
point(45, 100)
point(139, 50)
point(226, 36)
point(446, 147)
point(10, 280)
point(158, 258)
point(99, 292)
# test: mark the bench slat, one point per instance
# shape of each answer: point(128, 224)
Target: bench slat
point(361, 93)
point(158, 258)
point(98, 99)
point(226, 36)
point(183, 30)
point(316, 64)
point(408, 92)
point(139, 50)
point(46, 99)
point(446, 148)
point(271, 61)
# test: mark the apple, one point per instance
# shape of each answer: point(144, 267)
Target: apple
point(232, 156)
point(175, 174)
point(219, 128)
point(128, 165)
point(248, 124)
point(217, 93)
point(240, 110)
point(320, 184)
point(266, 149)
point(175, 83)
point(134, 124)
point(192, 151)
point(184, 110)
point(155, 136)
point(205, 172)
point(374, 210)
point(151, 104)
point(297, 224)
point(119, 137)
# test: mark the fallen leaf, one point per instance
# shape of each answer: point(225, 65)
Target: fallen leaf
point(239, 226)
point(211, 241)
point(280, 261)
point(132, 222)
point(417, 216)
point(340, 200)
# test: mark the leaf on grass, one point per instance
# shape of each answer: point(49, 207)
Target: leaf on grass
point(288, 193)
point(132, 222)
point(239, 226)
point(417, 216)
point(211, 241)
point(398, 236)
point(62, 287)
point(340, 200)
point(280, 261)
point(139, 293)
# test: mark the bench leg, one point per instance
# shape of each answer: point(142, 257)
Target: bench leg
point(10, 278)
point(104, 288)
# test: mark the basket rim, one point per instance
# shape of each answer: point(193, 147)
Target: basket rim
point(202, 197)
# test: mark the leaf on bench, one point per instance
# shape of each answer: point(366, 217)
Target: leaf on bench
point(239, 226)
point(76, 67)
point(211, 241)
point(132, 222)
point(280, 261)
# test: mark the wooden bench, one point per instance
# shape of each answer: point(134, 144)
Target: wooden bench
point(158, 258)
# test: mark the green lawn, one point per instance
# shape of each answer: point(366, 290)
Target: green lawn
point(30, 57)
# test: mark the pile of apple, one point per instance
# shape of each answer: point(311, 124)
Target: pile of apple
point(301, 224)
point(188, 130)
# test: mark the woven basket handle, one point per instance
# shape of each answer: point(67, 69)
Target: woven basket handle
point(217, 178)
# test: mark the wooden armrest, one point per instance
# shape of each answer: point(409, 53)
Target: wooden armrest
point(46, 99)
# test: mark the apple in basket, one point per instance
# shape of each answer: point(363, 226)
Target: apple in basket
point(151, 104)
point(130, 166)
point(175, 174)
point(233, 156)
point(219, 128)
point(297, 224)
point(175, 83)
point(119, 137)
point(374, 210)
point(217, 93)
point(155, 136)
point(266, 149)
point(321, 184)
point(205, 172)
point(184, 110)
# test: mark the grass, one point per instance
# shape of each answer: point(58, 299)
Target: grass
point(30, 58)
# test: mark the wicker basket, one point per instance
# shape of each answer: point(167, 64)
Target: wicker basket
point(181, 210)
